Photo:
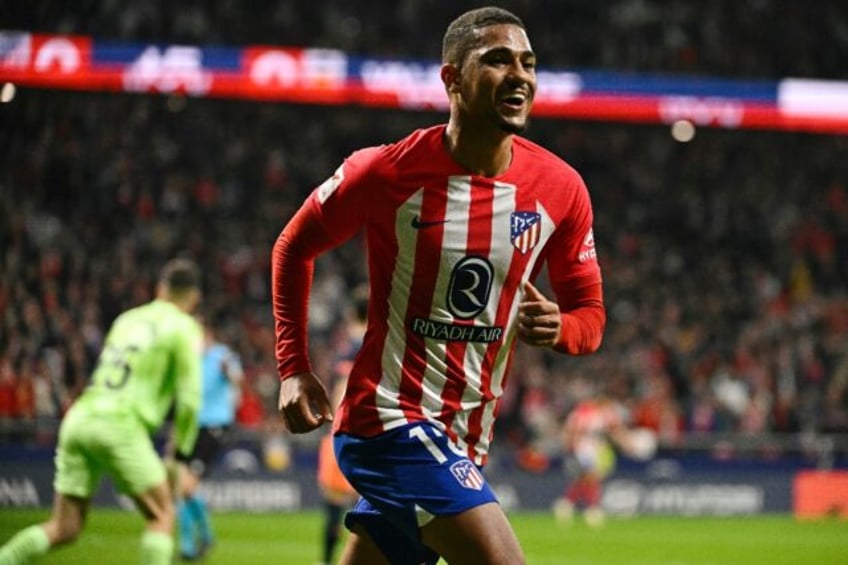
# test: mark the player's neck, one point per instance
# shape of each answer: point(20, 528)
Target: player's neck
point(185, 302)
point(480, 153)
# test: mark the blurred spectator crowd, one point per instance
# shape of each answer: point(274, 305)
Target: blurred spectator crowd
point(725, 259)
point(744, 39)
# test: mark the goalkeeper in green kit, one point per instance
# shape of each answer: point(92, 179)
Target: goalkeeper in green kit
point(149, 362)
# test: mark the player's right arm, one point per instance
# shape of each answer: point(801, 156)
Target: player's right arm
point(303, 403)
point(333, 213)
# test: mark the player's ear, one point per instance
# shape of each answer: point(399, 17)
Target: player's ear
point(450, 77)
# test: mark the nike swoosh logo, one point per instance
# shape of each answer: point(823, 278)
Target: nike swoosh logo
point(418, 224)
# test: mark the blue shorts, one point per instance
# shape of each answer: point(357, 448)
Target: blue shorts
point(406, 477)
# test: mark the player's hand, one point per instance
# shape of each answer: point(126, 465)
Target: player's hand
point(539, 321)
point(303, 403)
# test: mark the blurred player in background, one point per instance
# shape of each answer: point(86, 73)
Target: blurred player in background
point(590, 434)
point(150, 361)
point(222, 376)
point(459, 219)
point(337, 493)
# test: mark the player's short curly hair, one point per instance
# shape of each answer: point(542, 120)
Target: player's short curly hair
point(461, 35)
point(180, 275)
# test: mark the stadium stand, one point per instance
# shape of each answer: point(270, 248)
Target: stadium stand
point(725, 259)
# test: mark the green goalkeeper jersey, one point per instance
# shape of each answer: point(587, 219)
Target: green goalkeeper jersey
point(151, 360)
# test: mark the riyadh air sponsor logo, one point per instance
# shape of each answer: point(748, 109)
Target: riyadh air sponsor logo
point(419, 224)
point(467, 475)
point(525, 228)
point(433, 329)
point(587, 250)
point(469, 287)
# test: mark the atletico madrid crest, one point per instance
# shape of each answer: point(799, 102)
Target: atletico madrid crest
point(467, 474)
point(524, 230)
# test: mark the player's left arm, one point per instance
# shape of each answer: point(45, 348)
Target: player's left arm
point(573, 323)
point(187, 367)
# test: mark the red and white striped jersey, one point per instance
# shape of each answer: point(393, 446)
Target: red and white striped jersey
point(447, 253)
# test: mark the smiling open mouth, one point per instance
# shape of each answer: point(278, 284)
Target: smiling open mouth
point(515, 101)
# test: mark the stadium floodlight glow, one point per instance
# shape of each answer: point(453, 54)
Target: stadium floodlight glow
point(683, 131)
point(7, 92)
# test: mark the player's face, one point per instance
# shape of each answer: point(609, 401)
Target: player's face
point(498, 77)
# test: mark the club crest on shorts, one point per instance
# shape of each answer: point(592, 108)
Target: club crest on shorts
point(524, 230)
point(467, 475)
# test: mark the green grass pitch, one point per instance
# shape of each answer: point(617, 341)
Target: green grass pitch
point(111, 537)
